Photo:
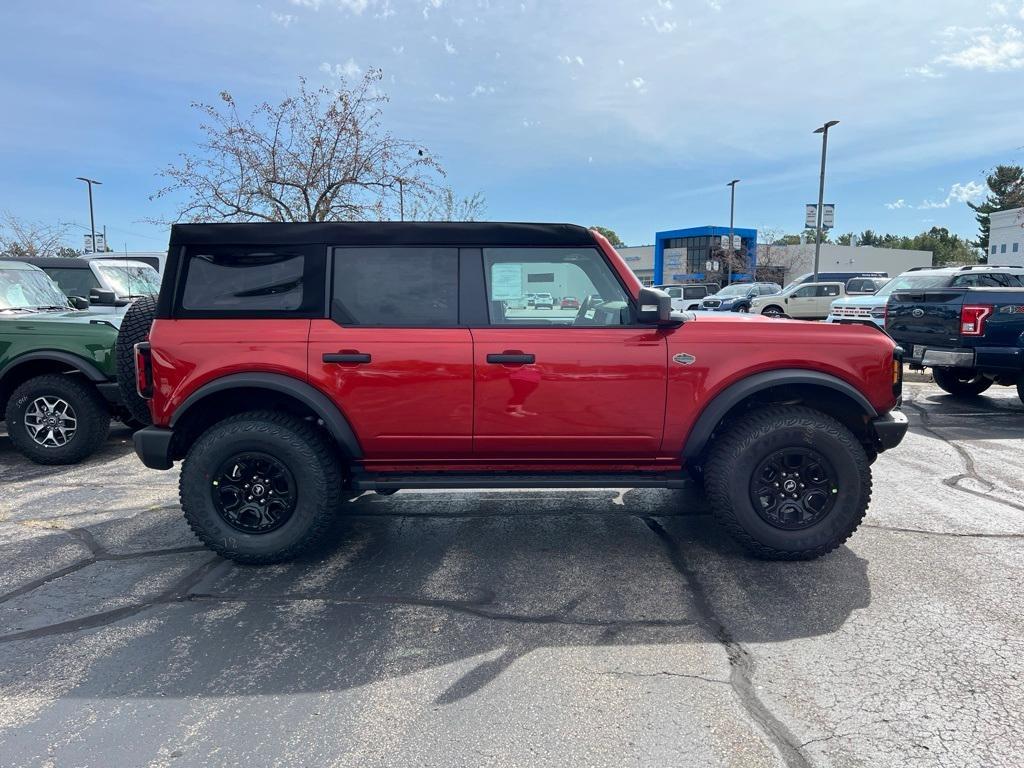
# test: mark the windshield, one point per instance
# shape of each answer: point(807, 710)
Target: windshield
point(734, 290)
point(130, 281)
point(29, 289)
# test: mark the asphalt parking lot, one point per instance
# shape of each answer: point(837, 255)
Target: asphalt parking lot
point(596, 628)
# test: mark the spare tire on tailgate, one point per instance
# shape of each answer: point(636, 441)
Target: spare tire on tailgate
point(134, 328)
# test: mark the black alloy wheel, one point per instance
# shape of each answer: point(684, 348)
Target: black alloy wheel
point(254, 492)
point(793, 488)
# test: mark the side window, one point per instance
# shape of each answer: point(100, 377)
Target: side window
point(675, 293)
point(577, 272)
point(694, 293)
point(392, 287)
point(984, 280)
point(855, 285)
point(252, 281)
point(74, 282)
point(827, 290)
point(803, 293)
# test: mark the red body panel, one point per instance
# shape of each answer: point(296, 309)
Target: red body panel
point(413, 399)
point(190, 353)
point(593, 392)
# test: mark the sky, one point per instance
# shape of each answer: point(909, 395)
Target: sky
point(630, 115)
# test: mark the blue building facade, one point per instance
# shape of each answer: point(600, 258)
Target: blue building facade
point(702, 244)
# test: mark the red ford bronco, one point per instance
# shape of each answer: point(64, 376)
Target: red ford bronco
point(292, 365)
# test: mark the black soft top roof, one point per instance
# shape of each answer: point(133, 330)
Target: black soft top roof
point(476, 233)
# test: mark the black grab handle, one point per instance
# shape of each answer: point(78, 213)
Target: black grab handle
point(505, 359)
point(346, 357)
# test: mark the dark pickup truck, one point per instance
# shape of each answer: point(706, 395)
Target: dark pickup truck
point(971, 338)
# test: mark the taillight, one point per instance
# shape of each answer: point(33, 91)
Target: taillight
point(144, 370)
point(972, 319)
point(897, 371)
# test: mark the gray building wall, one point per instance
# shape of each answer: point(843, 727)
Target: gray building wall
point(1006, 237)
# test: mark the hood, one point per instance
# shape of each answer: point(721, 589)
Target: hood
point(70, 317)
point(868, 300)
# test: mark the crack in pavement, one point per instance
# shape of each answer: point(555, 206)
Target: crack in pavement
point(741, 662)
point(953, 481)
point(954, 534)
point(477, 609)
point(97, 554)
point(176, 593)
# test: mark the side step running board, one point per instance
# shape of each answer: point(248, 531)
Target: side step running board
point(368, 481)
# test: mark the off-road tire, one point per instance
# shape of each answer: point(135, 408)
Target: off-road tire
point(1020, 388)
point(737, 452)
point(134, 328)
point(91, 412)
point(956, 383)
point(306, 452)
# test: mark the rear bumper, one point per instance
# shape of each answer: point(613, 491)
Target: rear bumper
point(889, 429)
point(948, 358)
point(110, 391)
point(984, 359)
point(153, 447)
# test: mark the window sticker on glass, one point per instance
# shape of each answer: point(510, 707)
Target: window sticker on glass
point(506, 282)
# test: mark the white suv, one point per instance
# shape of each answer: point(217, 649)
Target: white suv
point(804, 301)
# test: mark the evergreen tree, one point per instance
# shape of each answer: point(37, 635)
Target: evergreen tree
point(1006, 190)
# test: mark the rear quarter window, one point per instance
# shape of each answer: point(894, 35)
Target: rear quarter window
point(252, 281)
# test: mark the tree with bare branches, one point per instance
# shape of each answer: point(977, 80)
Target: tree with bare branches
point(319, 155)
point(27, 239)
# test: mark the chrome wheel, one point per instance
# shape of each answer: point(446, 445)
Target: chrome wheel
point(254, 493)
point(51, 422)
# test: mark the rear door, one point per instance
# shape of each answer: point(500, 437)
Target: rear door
point(393, 355)
point(585, 384)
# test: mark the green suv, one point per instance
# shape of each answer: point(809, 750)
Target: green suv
point(58, 387)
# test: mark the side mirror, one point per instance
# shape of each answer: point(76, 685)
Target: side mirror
point(78, 302)
point(102, 298)
point(654, 307)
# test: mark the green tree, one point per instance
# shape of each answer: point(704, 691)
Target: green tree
point(613, 238)
point(1006, 190)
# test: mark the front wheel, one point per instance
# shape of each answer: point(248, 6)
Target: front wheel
point(773, 311)
point(788, 483)
point(57, 419)
point(261, 487)
point(742, 308)
point(960, 383)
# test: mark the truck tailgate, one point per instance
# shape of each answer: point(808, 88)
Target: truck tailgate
point(929, 317)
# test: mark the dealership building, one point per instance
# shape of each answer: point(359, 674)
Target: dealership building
point(1006, 238)
point(693, 255)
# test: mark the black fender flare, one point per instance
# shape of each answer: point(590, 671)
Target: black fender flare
point(724, 401)
point(89, 370)
point(334, 420)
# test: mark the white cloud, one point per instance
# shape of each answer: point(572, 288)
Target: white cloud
point(571, 59)
point(958, 193)
point(925, 72)
point(661, 27)
point(666, 4)
point(896, 205)
point(449, 48)
point(993, 49)
point(398, 50)
point(349, 69)
point(482, 90)
point(715, 5)
point(443, 99)
point(431, 5)
point(284, 19)
point(639, 84)
point(621, 63)
point(314, 4)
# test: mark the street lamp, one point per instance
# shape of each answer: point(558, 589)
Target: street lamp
point(821, 191)
point(92, 221)
point(732, 210)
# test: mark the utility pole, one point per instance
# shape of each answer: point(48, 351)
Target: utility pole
point(732, 210)
point(401, 199)
point(92, 221)
point(821, 192)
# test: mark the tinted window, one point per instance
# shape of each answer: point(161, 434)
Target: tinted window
point(695, 293)
point(395, 287)
point(986, 280)
point(253, 281)
point(578, 272)
point(74, 282)
point(827, 290)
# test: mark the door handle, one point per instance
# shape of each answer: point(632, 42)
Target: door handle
point(510, 358)
point(346, 357)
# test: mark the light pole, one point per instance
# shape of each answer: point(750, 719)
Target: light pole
point(732, 210)
point(821, 191)
point(92, 221)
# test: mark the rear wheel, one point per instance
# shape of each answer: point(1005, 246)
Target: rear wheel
point(960, 383)
point(261, 487)
point(55, 419)
point(1020, 388)
point(788, 483)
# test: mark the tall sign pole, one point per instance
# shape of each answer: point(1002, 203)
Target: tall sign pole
point(821, 192)
point(92, 220)
point(732, 210)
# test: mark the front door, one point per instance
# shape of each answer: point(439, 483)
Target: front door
point(392, 355)
point(586, 383)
